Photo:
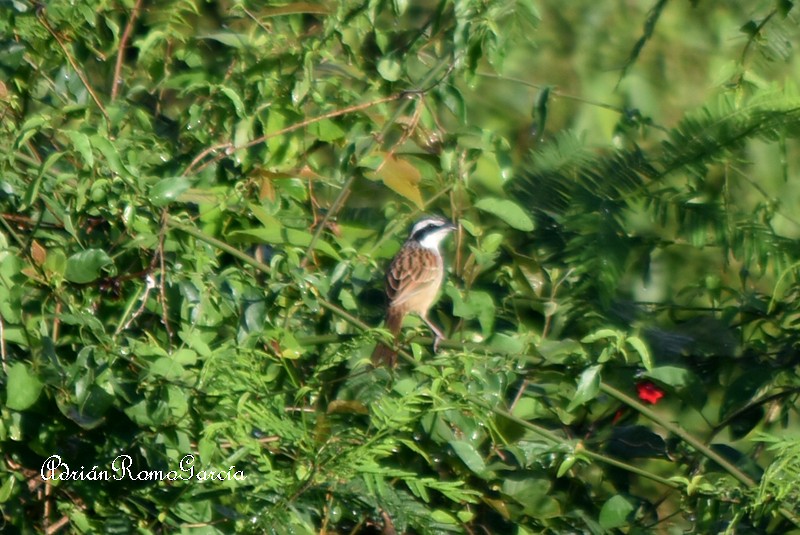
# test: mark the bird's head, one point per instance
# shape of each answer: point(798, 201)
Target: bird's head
point(430, 231)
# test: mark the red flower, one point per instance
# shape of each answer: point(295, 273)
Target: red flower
point(649, 392)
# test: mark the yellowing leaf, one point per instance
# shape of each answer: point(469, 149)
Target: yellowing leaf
point(400, 176)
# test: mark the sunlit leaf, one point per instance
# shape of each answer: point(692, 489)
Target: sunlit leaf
point(23, 387)
point(588, 387)
point(390, 69)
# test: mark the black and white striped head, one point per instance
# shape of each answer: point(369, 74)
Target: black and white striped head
point(430, 231)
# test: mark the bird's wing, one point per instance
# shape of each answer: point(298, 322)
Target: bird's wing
point(411, 272)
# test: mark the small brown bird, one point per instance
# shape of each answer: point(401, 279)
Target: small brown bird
point(413, 281)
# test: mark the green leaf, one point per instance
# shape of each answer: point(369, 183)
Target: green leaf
point(561, 351)
point(85, 266)
point(234, 97)
point(615, 512)
point(169, 189)
point(327, 130)
point(644, 353)
point(231, 39)
point(540, 111)
point(477, 304)
point(444, 517)
point(168, 368)
point(749, 28)
point(568, 462)
point(454, 101)
point(81, 144)
point(600, 334)
point(390, 69)
point(467, 453)
point(588, 387)
point(503, 343)
point(744, 389)
point(110, 154)
point(276, 234)
point(23, 387)
point(7, 488)
point(683, 381)
point(88, 407)
point(508, 211)
point(533, 494)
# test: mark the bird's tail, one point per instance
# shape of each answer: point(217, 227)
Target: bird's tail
point(383, 354)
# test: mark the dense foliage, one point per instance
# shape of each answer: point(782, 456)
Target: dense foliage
point(198, 199)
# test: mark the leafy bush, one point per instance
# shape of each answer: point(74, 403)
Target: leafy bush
point(198, 199)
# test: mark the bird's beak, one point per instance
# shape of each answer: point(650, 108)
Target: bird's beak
point(451, 226)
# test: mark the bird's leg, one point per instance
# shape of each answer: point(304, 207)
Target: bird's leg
point(438, 335)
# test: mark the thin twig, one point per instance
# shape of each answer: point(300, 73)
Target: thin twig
point(3, 344)
point(116, 81)
point(150, 283)
point(754, 35)
point(409, 129)
point(255, 19)
point(334, 209)
point(56, 321)
point(243, 257)
point(566, 96)
point(163, 283)
point(63, 521)
point(48, 506)
point(229, 147)
point(74, 65)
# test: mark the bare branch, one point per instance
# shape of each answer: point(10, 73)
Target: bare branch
point(116, 81)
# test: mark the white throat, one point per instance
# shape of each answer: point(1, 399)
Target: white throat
point(432, 240)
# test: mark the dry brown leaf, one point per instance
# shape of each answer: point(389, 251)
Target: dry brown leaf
point(38, 253)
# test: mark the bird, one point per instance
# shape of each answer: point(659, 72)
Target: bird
point(413, 281)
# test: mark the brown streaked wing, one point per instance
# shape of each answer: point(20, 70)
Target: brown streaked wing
point(411, 270)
